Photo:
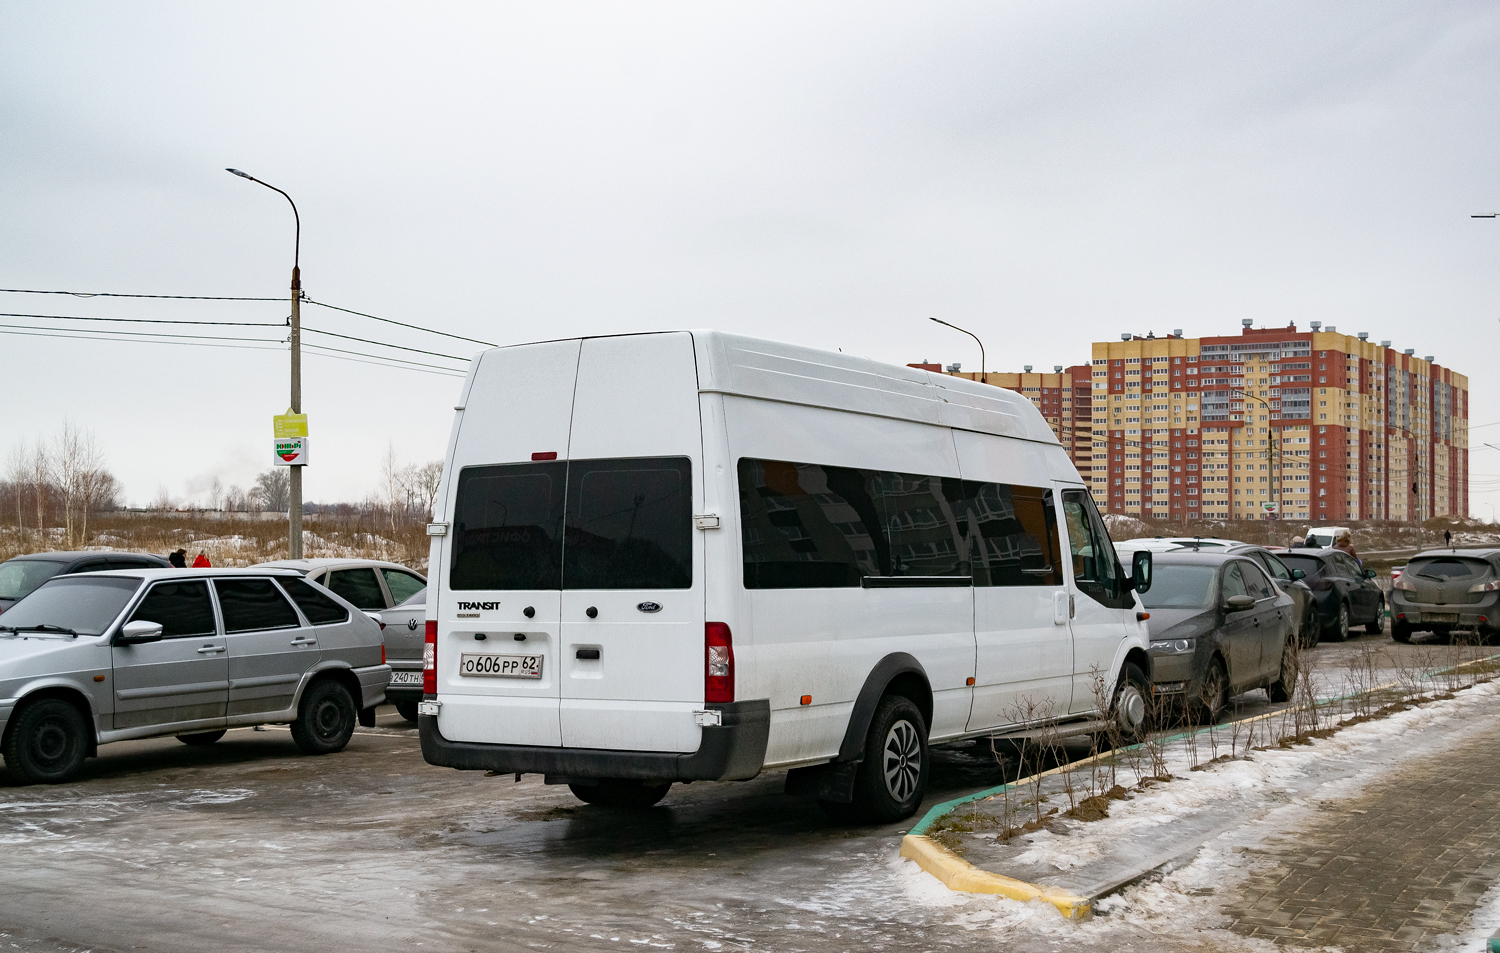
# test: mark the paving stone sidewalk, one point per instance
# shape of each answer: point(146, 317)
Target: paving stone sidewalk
point(1392, 869)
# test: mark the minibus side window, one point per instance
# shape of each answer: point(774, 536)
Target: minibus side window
point(1012, 532)
point(507, 527)
point(920, 516)
point(1096, 568)
point(630, 524)
point(805, 526)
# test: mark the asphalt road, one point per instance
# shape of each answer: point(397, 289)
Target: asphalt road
point(250, 845)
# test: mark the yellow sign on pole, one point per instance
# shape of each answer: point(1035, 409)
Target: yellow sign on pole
point(289, 425)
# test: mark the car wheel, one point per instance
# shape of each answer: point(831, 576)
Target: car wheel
point(1312, 631)
point(892, 777)
point(621, 792)
point(1340, 630)
point(1377, 625)
point(325, 718)
point(1285, 685)
point(1213, 694)
point(407, 710)
point(48, 741)
point(1131, 711)
point(1401, 632)
point(199, 738)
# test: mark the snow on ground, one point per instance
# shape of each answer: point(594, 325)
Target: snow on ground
point(1276, 790)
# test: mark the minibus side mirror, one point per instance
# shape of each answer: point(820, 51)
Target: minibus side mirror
point(1140, 570)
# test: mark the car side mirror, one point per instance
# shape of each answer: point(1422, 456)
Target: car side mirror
point(1369, 574)
point(139, 631)
point(1140, 570)
point(1239, 603)
point(1298, 574)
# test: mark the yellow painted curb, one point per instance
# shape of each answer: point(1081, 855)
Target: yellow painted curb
point(958, 874)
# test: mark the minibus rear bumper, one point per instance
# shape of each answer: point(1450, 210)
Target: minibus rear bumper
point(733, 750)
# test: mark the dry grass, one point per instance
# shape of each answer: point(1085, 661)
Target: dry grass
point(236, 539)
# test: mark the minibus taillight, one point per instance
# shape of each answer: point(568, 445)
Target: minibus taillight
point(718, 663)
point(429, 659)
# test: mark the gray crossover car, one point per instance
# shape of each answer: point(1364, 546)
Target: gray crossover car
point(405, 628)
point(108, 656)
point(1443, 590)
point(1219, 627)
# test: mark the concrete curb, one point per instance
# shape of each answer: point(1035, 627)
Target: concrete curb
point(958, 874)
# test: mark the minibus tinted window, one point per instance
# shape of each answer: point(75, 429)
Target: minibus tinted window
point(1013, 535)
point(921, 528)
point(806, 526)
point(507, 531)
point(630, 524)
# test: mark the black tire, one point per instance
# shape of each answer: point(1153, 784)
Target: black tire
point(49, 738)
point(325, 718)
point(200, 738)
point(1339, 630)
point(1401, 632)
point(1285, 685)
point(1377, 625)
point(621, 793)
point(1213, 694)
point(1131, 708)
point(407, 710)
point(892, 777)
point(1312, 629)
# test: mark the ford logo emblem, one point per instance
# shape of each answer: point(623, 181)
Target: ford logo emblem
point(649, 607)
point(411, 624)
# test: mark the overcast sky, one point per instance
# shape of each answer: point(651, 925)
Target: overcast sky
point(828, 174)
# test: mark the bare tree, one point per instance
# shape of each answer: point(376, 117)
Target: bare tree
point(79, 473)
point(428, 478)
point(40, 478)
point(17, 476)
point(273, 489)
point(391, 483)
point(215, 494)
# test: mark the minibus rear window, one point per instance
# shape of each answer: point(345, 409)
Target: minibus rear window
point(630, 524)
point(507, 530)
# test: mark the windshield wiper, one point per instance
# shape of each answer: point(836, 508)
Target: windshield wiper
point(44, 627)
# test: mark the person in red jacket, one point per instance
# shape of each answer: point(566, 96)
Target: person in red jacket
point(202, 562)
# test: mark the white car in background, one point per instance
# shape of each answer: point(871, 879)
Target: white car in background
point(1166, 544)
point(369, 584)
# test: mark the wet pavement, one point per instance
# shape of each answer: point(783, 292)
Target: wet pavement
point(249, 845)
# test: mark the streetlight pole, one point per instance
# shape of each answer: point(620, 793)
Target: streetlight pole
point(983, 378)
point(294, 503)
point(1276, 456)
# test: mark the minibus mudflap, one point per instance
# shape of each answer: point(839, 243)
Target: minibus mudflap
point(731, 751)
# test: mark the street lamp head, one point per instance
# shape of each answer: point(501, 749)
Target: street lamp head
point(243, 175)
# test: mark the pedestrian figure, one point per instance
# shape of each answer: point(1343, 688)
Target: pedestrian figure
point(1296, 542)
point(1345, 544)
point(178, 558)
point(1448, 538)
point(202, 562)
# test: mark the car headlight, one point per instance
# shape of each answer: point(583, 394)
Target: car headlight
point(1174, 646)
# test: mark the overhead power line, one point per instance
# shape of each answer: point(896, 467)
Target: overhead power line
point(74, 317)
point(414, 327)
point(112, 294)
point(414, 350)
point(453, 371)
point(69, 332)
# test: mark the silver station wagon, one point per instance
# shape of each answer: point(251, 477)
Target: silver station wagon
point(110, 656)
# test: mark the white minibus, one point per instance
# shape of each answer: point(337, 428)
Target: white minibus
point(690, 556)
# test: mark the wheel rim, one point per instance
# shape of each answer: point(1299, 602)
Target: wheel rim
point(50, 743)
point(903, 760)
point(1131, 709)
point(1343, 620)
point(328, 719)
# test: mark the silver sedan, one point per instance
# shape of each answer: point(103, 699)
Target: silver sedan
point(90, 659)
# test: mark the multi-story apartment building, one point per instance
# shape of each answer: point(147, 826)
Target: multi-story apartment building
point(1307, 425)
point(1065, 398)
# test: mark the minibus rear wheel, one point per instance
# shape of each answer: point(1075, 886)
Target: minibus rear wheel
point(892, 778)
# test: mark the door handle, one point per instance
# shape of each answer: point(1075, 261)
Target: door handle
point(301, 641)
point(211, 649)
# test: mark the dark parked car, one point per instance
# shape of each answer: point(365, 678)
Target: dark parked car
point(1218, 627)
point(1346, 594)
point(1445, 590)
point(21, 576)
point(1309, 625)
